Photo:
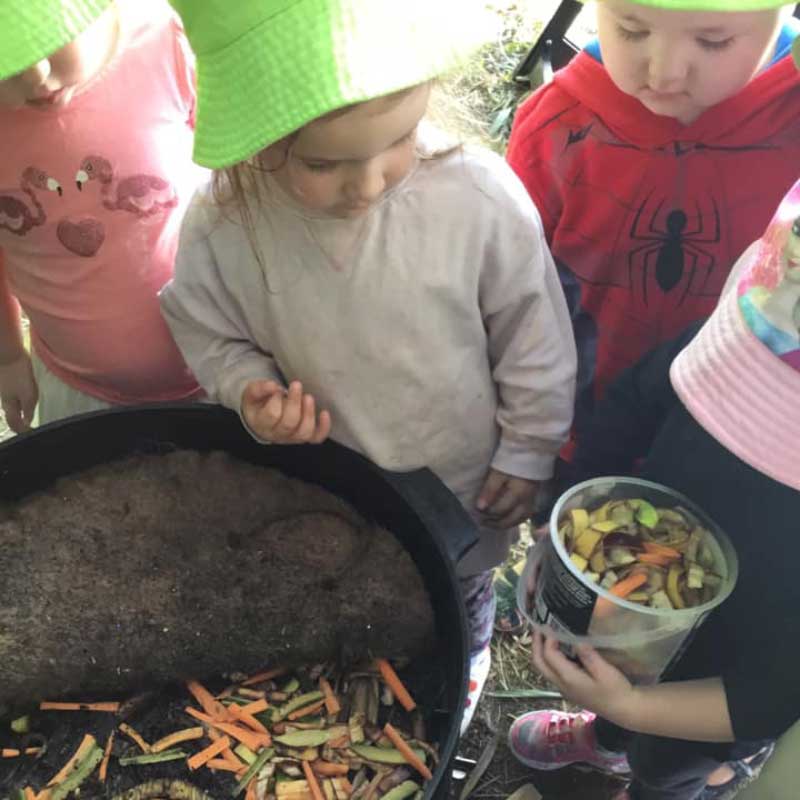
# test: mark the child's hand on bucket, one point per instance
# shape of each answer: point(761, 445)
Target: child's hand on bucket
point(506, 500)
point(279, 416)
point(593, 684)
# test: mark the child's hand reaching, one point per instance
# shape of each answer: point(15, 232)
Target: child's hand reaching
point(19, 393)
point(283, 417)
point(593, 684)
point(505, 500)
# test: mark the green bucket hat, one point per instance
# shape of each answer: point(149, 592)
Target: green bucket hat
point(265, 68)
point(31, 30)
point(713, 5)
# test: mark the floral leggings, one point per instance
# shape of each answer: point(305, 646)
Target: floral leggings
point(481, 603)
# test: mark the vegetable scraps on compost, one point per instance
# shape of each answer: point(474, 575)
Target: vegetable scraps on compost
point(311, 734)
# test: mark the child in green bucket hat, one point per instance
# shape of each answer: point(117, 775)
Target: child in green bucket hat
point(351, 274)
point(96, 107)
point(655, 157)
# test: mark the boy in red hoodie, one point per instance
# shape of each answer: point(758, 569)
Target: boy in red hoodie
point(655, 158)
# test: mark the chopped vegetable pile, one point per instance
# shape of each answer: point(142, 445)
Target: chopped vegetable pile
point(657, 557)
point(310, 735)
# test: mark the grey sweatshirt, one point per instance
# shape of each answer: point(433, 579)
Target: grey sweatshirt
point(434, 329)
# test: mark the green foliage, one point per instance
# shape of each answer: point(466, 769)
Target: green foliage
point(484, 89)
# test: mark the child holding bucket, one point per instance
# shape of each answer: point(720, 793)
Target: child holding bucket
point(719, 423)
point(96, 110)
point(350, 274)
point(655, 158)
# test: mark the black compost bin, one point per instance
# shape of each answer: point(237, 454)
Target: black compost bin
point(416, 507)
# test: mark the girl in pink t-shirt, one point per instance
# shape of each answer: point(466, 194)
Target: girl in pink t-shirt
point(95, 176)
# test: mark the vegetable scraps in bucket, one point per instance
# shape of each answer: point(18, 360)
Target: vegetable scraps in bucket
point(308, 735)
point(656, 557)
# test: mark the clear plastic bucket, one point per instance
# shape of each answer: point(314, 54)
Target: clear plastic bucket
point(557, 599)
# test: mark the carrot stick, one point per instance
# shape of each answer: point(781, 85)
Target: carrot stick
point(627, 585)
point(346, 785)
point(340, 742)
point(662, 550)
point(132, 733)
point(306, 711)
point(313, 783)
point(331, 701)
point(396, 685)
point(193, 712)
point(408, 754)
point(253, 740)
point(211, 706)
point(222, 764)
point(10, 752)
point(84, 747)
point(255, 708)
point(328, 769)
point(240, 715)
point(50, 706)
point(106, 758)
point(264, 676)
point(204, 756)
point(655, 559)
point(29, 793)
point(227, 754)
point(186, 735)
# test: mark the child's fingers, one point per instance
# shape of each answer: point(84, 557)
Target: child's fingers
point(291, 413)
point(13, 412)
point(29, 407)
point(323, 428)
point(259, 391)
point(308, 422)
point(538, 658)
point(492, 489)
point(567, 673)
point(504, 503)
point(595, 664)
point(272, 411)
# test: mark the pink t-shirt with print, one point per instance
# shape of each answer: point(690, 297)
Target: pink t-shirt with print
point(91, 201)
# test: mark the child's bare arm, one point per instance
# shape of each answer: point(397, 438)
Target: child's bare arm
point(18, 391)
point(693, 710)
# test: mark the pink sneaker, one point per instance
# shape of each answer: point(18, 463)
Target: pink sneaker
point(547, 740)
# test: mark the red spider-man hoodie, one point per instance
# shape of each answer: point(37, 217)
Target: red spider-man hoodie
point(646, 216)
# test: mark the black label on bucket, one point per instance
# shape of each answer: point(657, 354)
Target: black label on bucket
point(562, 601)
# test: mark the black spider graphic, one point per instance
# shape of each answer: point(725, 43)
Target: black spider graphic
point(672, 253)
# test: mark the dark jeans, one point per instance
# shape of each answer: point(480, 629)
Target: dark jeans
point(670, 769)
